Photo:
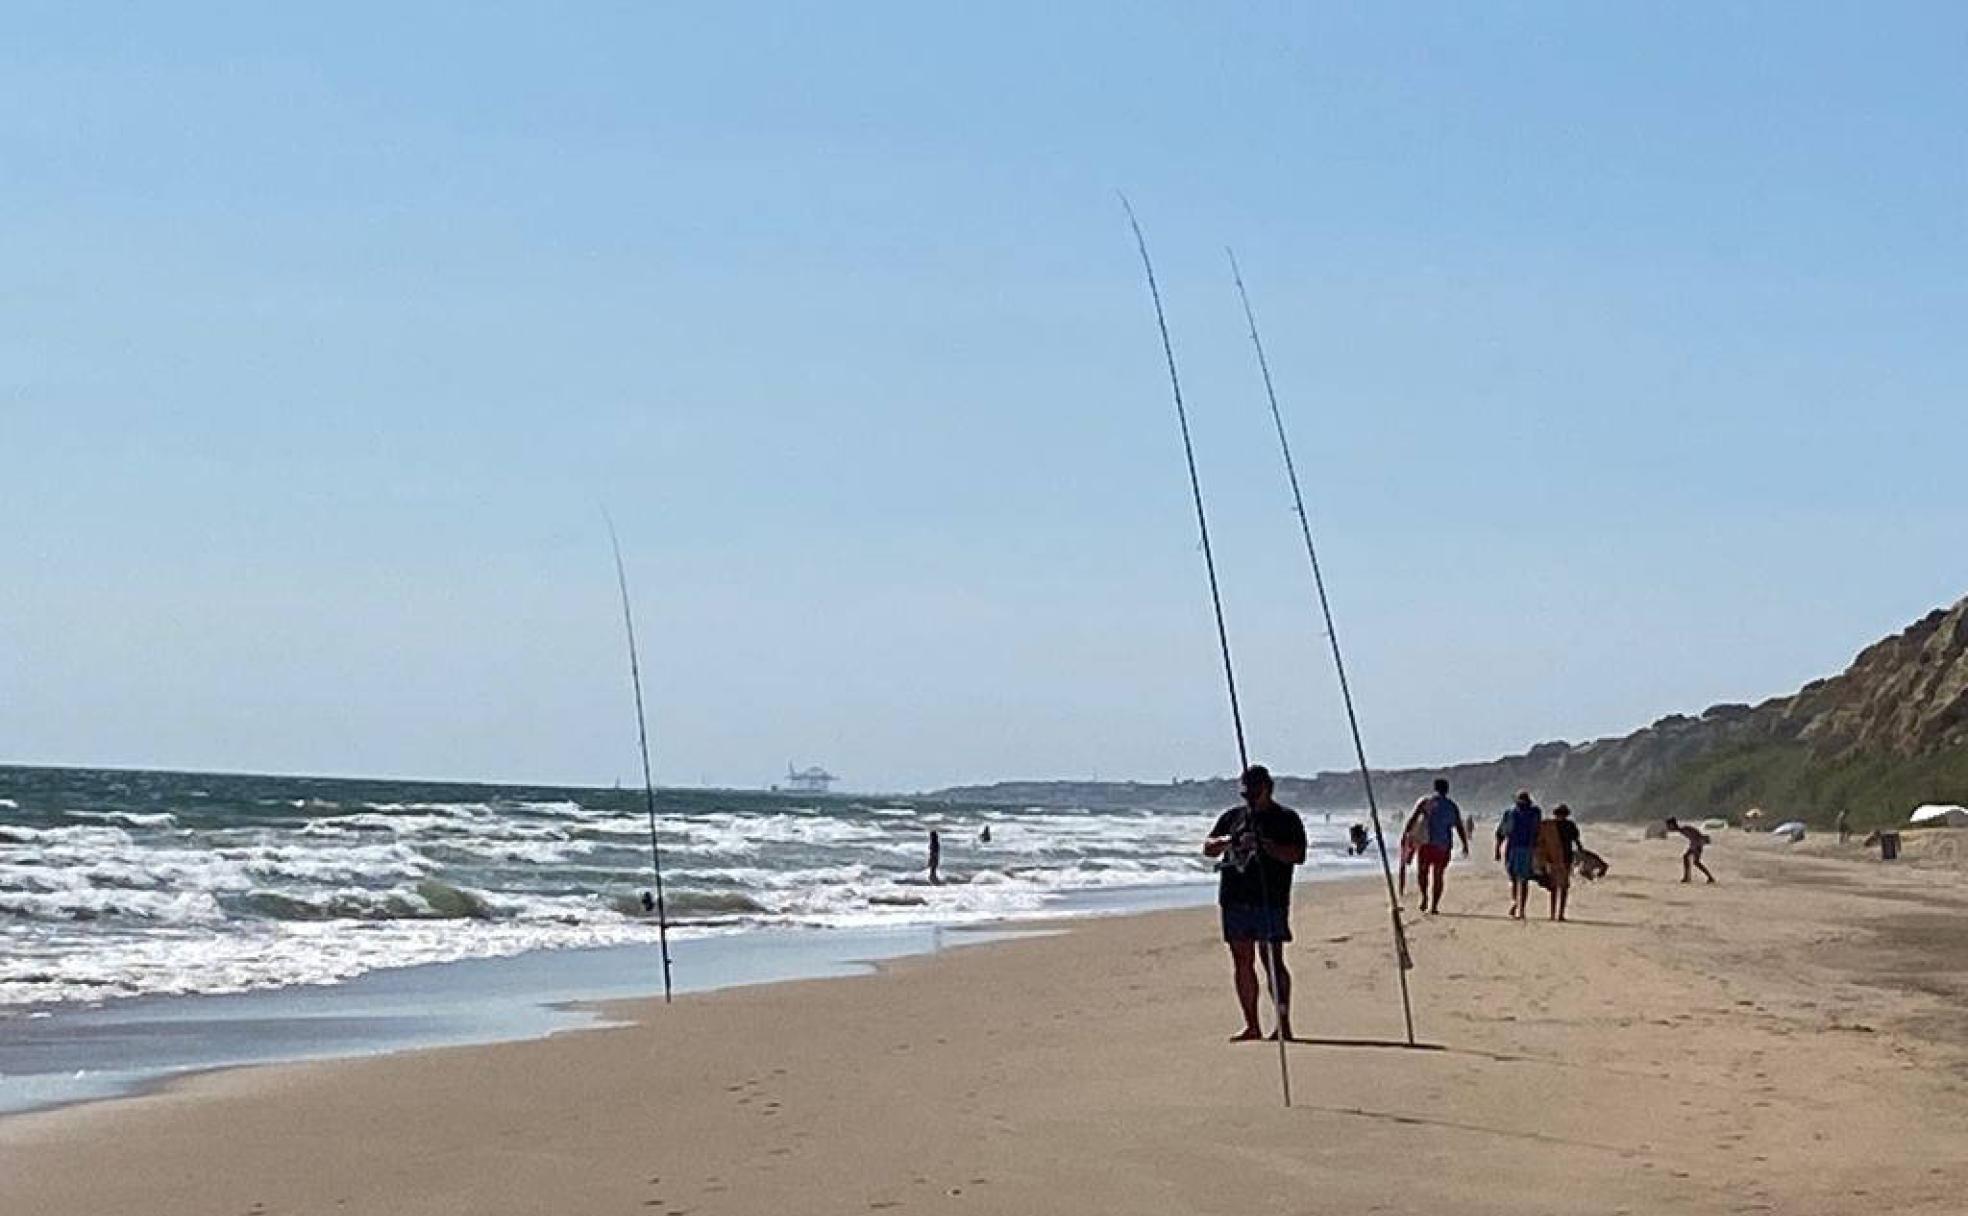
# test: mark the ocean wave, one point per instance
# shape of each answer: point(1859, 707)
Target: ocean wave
point(130, 819)
point(687, 906)
point(88, 903)
point(427, 900)
point(81, 835)
point(251, 889)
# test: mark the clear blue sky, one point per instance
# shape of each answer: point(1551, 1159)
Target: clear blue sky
point(1623, 345)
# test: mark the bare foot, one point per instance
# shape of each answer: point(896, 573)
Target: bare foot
point(1249, 1034)
point(1273, 1036)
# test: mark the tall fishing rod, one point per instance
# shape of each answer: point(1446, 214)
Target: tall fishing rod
point(1403, 960)
point(1222, 632)
point(648, 780)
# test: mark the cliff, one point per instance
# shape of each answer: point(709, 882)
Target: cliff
point(1888, 732)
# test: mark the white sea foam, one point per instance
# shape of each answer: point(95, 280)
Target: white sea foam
point(130, 819)
point(268, 890)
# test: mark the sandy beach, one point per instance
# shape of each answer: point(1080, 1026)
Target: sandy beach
point(1794, 1040)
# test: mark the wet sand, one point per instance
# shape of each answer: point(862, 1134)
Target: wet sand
point(1792, 1040)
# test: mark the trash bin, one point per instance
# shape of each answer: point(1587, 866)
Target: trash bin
point(1889, 846)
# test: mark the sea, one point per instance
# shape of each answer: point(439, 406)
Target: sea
point(118, 883)
point(157, 922)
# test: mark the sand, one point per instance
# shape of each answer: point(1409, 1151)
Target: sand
point(1793, 1040)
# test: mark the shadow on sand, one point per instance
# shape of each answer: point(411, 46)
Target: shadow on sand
point(1386, 1044)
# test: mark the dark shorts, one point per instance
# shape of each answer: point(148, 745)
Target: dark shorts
point(1434, 856)
point(1255, 923)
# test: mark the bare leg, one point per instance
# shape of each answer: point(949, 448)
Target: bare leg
point(1704, 869)
point(1243, 963)
point(1564, 895)
point(1435, 900)
point(1552, 912)
point(1685, 859)
point(1281, 982)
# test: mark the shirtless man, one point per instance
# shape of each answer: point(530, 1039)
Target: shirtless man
point(1692, 859)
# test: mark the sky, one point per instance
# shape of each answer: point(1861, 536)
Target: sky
point(1621, 347)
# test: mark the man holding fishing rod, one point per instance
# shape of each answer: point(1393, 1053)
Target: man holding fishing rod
point(1256, 846)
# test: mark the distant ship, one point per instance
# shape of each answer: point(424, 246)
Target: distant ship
point(814, 780)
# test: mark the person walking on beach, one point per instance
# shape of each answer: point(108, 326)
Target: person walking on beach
point(1441, 823)
point(1516, 847)
point(1256, 846)
point(1412, 834)
point(1557, 848)
point(1844, 826)
point(935, 858)
point(1692, 859)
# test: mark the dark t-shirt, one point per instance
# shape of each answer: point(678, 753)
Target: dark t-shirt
point(1254, 878)
point(1568, 836)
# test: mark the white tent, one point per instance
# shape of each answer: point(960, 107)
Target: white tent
point(1940, 814)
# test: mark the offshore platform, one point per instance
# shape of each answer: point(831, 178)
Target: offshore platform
point(811, 780)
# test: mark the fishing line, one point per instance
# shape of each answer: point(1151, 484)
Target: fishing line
point(1222, 633)
point(1403, 960)
point(648, 781)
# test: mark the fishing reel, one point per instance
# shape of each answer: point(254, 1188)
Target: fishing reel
point(1242, 851)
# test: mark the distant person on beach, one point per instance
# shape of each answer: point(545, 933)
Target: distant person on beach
point(1844, 826)
point(935, 857)
point(1516, 847)
point(1413, 833)
point(984, 837)
point(1692, 859)
point(1441, 823)
point(1557, 849)
point(1256, 846)
point(1357, 834)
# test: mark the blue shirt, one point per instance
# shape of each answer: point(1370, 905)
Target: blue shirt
point(1520, 825)
point(1442, 819)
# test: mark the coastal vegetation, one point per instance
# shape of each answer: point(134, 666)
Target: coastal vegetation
point(1886, 734)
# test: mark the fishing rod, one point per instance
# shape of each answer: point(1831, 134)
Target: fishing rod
point(1222, 632)
point(648, 781)
point(1404, 961)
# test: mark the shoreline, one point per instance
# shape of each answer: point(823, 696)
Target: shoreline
point(55, 1057)
point(1790, 1040)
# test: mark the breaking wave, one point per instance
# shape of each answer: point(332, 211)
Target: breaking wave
point(122, 884)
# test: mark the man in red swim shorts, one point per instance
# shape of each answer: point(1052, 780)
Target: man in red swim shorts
point(1441, 824)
